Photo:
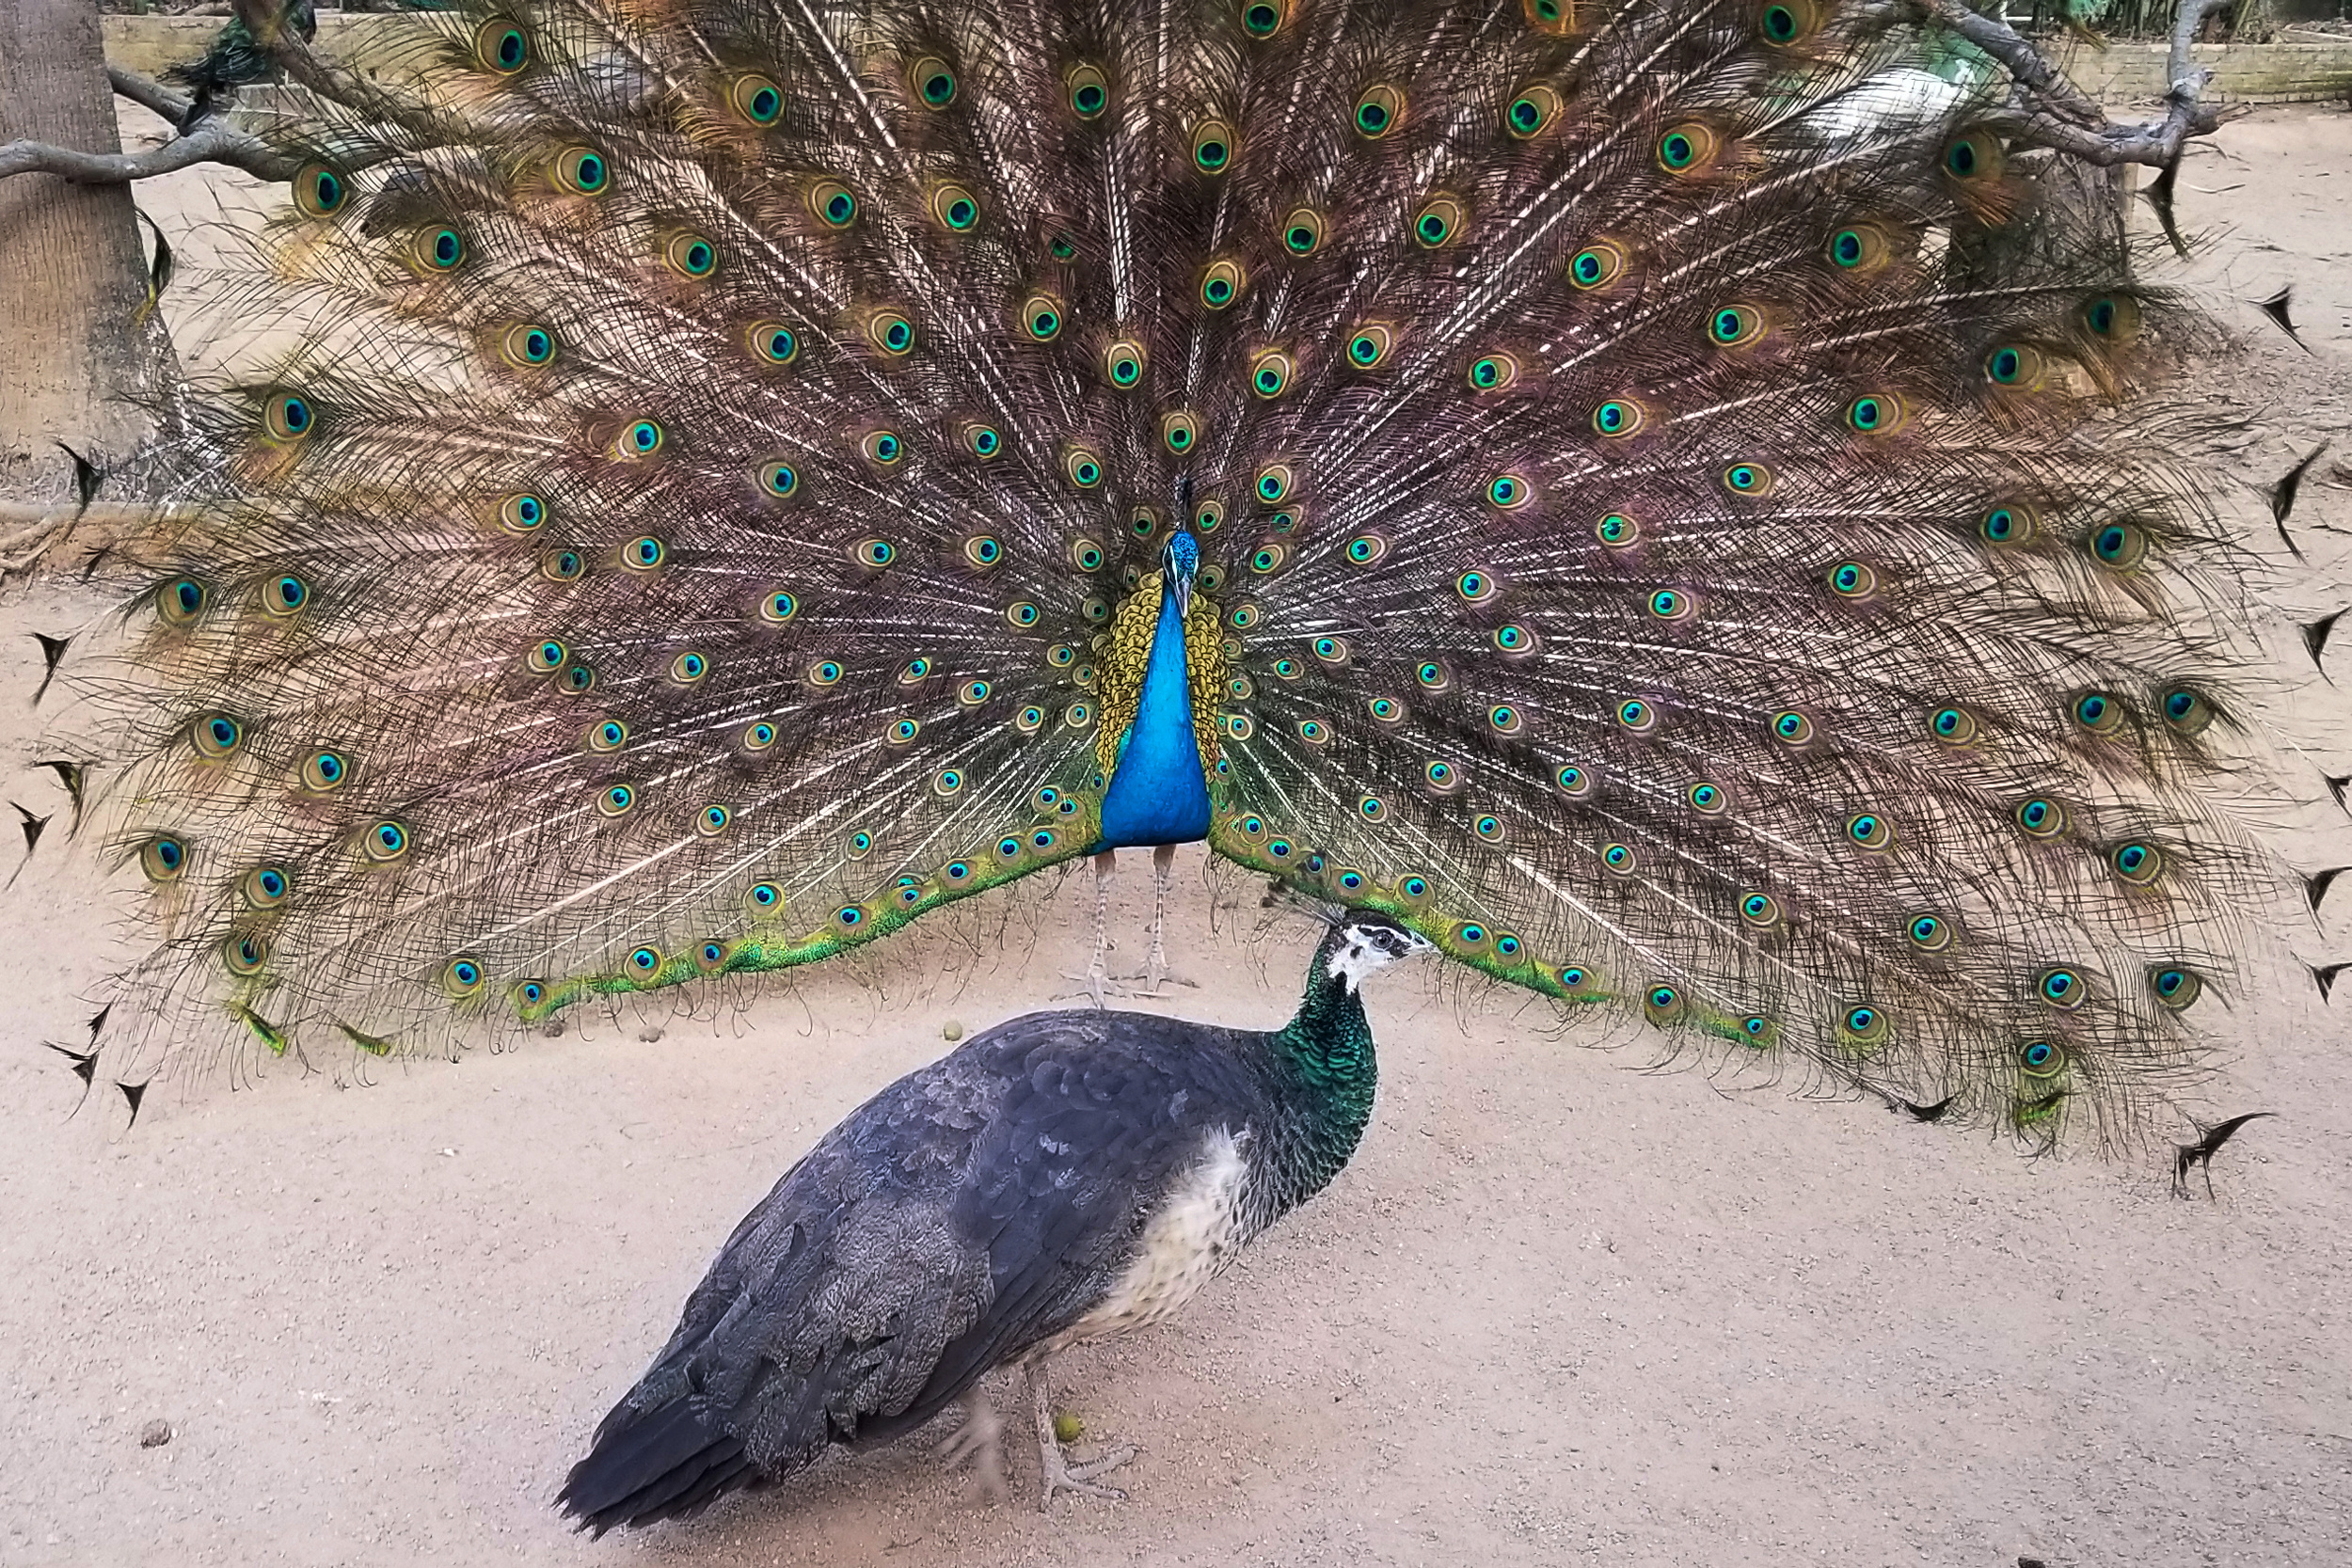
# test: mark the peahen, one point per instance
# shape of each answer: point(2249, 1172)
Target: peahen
point(1058, 1179)
point(1657, 497)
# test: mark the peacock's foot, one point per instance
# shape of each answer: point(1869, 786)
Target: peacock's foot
point(1152, 982)
point(976, 1442)
point(1062, 1475)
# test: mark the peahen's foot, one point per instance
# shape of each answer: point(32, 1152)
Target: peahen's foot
point(1060, 1475)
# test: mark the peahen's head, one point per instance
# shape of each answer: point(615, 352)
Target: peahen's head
point(1363, 941)
point(1180, 561)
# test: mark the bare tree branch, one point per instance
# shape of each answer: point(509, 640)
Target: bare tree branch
point(213, 142)
point(2048, 110)
point(149, 94)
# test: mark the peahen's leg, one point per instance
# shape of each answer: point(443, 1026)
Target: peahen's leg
point(1059, 1474)
point(976, 1442)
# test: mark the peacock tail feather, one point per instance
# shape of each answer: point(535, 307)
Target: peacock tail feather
point(1678, 522)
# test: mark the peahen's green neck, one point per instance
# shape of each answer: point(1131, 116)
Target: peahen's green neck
point(1325, 1055)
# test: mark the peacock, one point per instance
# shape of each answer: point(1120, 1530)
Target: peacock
point(1059, 1179)
point(1673, 501)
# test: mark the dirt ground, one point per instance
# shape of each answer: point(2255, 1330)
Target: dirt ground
point(1558, 1310)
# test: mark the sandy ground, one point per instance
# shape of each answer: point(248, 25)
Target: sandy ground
point(1558, 1310)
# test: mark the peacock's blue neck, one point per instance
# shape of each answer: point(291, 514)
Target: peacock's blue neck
point(1158, 792)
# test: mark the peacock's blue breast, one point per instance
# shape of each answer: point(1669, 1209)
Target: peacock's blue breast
point(1158, 792)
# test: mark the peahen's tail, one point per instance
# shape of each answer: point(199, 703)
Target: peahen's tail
point(1674, 521)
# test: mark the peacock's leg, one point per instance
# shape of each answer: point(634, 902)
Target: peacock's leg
point(976, 1442)
point(1097, 976)
point(1155, 966)
point(1059, 1474)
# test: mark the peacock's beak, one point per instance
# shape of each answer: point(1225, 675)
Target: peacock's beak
point(1183, 589)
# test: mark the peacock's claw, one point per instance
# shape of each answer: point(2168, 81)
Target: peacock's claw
point(1062, 1475)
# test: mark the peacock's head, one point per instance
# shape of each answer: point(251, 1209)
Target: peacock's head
point(1363, 941)
point(1180, 561)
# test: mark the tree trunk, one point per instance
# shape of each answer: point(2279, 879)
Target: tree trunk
point(81, 363)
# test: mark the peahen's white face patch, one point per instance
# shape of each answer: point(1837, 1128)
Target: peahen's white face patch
point(1369, 948)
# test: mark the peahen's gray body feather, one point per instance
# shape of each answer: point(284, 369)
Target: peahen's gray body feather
point(1667, 528)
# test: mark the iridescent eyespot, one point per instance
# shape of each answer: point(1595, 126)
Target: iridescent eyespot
point(1686, 148)
point(1617, 418)
point(891, 333)
point(639, 440)
point(1669, 604)
point(1262, 19)
point(245, 953)
point(1372, 808)
point(2136, 864)
point(549, 657)
point(903, 731)
point(876, 553)
point(2010, 523)
point(1267, 558)
point(286, 417)
point(764, 896)
point(1792, 728)
point(1476, 587)
point(2119, 545)
point(1088, 93)
point(1082, 467)
point(179, 601)
point(832, 204)
point(1870, 831)
point(1858, 247)
point(324, 771)
point(756, 98)
point(1275, 481)
point(933, 82)
point(1597, 265)
point(1735, 326)
point(1505, 719)
point(713, 957)
point(1874, 413)
point(1930, 933)
point(500, 46)
point(1270, 373)
point(1302, 231)
point(385, 841)
point(2112, 318)
point(1852, 579)
point(216, 736)
point(1575, 979)
point(163, 858)
point(759, 735)
point(688, 668)
point(1085, 555)
point(1620, 859)
point(860, 845)
point(582, 170)
point(608, 736)
point(441, 249)
point(2175, 987)
point(1973, 157)
point(2040, 817)
point(616, 800)
point(1179, 430)
point(577, 680)
point(1221, 283)
point(1370, 346)
point(1509, 492)
point(779, 479)
point(1122, 363)
point(1488, 828)
point(947, 782)
point(1748, 479)
point(1706, 799)
point(1021, 613)
point(1244, 616)
point(1863, 1025)
point(1532, 111)
point(1439, 222)
point(690, 256)
point(1637, 716)
point(646, 962)
point(773, 342)
point(1211, 146)
point(2014, 365)
point(643, 553)
point(712, 820)
point(1513, 640)
point(1366, 550)
point(461, 977)
point(266, 887)
point(1662, 1005)
point(1239, 726)
point(2098, 712)
point(1377, 112)
point(1442, 776)
point(1786, 22)
point(1491, 372)
point(285, 594)
point(1618, 531)
point(2061, 988)
point(916, 671)
point(2185, 712)
point(1386, 709)
point(1040, 317)
point(779, 607)
point(1760, 909)
point(2039, 1059)
point(1954, 726)
point(320, 191)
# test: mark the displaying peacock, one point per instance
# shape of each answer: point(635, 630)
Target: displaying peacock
point(1059, 1179)
point(1659, 498)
